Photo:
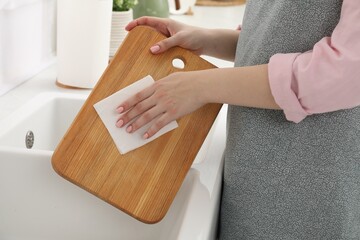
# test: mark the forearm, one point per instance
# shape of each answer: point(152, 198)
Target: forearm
point(183, 92)
point(243, 86)
point(220, 43)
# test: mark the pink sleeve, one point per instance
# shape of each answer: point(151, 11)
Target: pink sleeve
point(325, 79)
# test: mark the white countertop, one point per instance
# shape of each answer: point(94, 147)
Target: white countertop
point(208, 17)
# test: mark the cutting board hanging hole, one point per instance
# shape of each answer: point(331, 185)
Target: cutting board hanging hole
point(178, 63)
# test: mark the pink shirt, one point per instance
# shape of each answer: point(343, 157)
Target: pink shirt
point(325, 79)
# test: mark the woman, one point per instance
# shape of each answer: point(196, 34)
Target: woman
point(292, 160)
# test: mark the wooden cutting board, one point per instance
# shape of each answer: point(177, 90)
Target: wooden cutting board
point(143, 182)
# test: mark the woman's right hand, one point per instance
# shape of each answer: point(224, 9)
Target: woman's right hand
point(178, 34)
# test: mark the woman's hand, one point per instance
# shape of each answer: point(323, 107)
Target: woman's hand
point(166, 100)
point(178, 34)
point(219, 43)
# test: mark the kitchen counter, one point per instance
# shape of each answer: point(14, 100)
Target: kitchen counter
point(208, 17)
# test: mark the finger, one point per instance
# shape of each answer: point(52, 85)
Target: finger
point(159, 123)
point(160, 24)
point(134, 100)
point(131, 25)
point(144, 119)
point(136, 111)
point(164, 45)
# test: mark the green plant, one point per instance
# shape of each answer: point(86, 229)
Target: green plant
point(123, 5)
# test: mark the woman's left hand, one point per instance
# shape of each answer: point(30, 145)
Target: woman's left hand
point(166, 100)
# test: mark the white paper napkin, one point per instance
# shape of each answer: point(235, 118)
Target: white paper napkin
point(106, 109)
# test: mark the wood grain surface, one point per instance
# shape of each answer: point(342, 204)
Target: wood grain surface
point(143, 182)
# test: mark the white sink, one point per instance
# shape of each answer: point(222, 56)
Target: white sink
point(48, 116)
point(36, 203)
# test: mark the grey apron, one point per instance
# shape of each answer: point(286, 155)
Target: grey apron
point(284, 180)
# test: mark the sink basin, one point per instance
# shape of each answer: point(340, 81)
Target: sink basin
point(36, 203)
point(48, 116)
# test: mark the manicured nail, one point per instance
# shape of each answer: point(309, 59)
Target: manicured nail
point(129, 129)
point(120, 109)
point(120, 123)
point(146, 136)
point(155, 48)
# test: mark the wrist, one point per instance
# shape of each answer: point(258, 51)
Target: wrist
point(220, 43)
point(207, 39)
point(200, 86)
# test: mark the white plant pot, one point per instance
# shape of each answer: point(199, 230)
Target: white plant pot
point(118, 32)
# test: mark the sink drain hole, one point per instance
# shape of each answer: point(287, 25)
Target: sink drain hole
point(29, 140)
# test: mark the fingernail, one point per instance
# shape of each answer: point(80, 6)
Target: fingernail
point(129, 129)
point(146, 136)
point(155, 48)
point(120, 109)
point(120, 123)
